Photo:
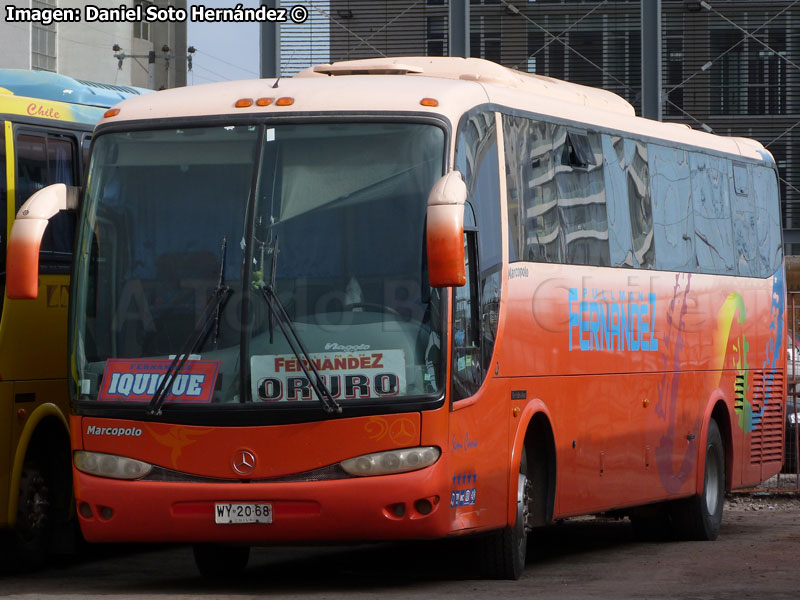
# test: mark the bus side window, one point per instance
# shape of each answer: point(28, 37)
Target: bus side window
point(477, 158)
point(712, 214)
point(768, 225)
point(467, 368)
point(744, 223)
point(673, 212)
point(41, 161)
point(581, 196)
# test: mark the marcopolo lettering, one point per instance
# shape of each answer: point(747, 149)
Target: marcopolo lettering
point(114, 431)
point(614, 321)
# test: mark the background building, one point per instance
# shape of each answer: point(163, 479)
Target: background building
point(728, 66)
point(84, 50)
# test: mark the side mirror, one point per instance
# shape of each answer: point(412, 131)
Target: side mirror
point(445, 232)
point(22, 260)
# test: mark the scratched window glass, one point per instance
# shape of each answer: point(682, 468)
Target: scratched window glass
point(768, 227)
point(673, 223)
point(581, 196)
point(744, 223)
point(712, 212)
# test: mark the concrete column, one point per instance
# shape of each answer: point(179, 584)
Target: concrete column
point(651, 59)
point(270, 45)
point(458, 34)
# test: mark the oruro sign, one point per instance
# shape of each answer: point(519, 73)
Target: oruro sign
point(348, 375)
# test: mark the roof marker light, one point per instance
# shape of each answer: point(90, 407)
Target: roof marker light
point(285, 101)
point(111, 112)
point(244, 103)
point(264, 101)
point(429, 102)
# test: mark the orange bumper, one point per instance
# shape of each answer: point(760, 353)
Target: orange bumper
point(358, 509)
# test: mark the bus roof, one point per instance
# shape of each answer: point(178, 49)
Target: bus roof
point(399, 84)
point(53, 86)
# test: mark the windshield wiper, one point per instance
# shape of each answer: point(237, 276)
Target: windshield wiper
point(295, 343)
point(195, 340)
point(329, 404)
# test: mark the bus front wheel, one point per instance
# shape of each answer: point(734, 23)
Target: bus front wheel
point(504, 552)
point(700, 517)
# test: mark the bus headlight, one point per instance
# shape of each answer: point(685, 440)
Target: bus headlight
point(110, 465)
point(392, 461)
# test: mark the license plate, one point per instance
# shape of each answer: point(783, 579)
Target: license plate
point(242, 513)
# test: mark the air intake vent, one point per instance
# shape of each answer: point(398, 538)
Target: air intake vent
point(767, 404)
point(739, 388)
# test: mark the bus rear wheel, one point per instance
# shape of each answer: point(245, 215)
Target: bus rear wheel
point(504, 552)
point(700, 517)
point(219, 562)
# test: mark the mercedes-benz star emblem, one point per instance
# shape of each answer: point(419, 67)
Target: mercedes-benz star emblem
point(244, 462)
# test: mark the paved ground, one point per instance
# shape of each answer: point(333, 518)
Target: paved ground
point(756, 556)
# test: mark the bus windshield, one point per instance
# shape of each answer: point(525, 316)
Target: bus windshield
point(185, 230)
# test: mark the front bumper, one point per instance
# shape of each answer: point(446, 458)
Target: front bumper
point(348, 510)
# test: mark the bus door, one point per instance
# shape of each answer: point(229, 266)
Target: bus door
point(479, 430)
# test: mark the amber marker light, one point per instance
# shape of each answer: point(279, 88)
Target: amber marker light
point(244, 103)
point(429, 102)
point(111, 112)
point(285, 101)
point(263, 101)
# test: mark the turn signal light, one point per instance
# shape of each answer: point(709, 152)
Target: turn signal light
point(111, 112)
point(285, 101)
point(244, 103)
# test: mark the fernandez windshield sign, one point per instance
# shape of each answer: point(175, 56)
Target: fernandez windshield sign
point(348, 375)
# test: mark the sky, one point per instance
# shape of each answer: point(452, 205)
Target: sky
point(225, 51)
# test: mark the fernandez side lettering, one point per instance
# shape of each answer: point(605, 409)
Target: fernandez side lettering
point(623, 322)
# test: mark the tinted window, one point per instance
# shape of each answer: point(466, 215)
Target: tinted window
point(43, 160)
point(712, 213)
point(673, 225)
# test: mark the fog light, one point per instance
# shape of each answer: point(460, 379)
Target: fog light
point(424, 506)
point(399, 509)
point(106, 512)
point(85, 510)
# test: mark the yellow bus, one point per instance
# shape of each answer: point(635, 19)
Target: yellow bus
point(45, 129)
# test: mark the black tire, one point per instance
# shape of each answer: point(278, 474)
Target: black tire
point(699, 517)
point(37, 504)
point(503, 553)
point(219, 562)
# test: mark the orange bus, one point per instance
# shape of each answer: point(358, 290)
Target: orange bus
point(415, 298)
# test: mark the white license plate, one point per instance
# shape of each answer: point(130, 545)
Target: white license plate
point(242, 513)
